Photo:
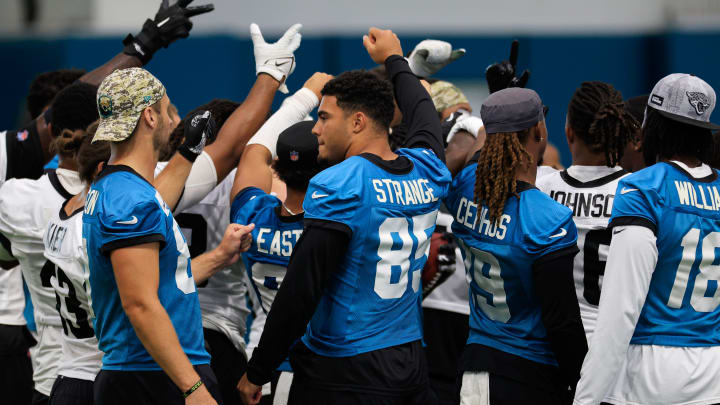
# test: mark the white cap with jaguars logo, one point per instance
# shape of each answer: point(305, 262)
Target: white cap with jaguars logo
point(685, 98)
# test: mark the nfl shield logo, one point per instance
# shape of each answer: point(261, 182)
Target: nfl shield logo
point(294, 156)
point(23, 135)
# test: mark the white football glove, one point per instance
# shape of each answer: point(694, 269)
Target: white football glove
point(276, 59)
point(431, 55)
point(466, 122)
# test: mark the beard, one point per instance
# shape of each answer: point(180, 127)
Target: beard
point(160, 136)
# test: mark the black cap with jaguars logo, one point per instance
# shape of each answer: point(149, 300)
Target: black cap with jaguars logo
point(685, 98)
point(297, 146)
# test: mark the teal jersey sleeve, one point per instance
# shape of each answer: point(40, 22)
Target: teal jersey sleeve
point(548, 226)
point(130, 219)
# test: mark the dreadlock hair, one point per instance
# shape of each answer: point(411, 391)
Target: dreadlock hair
point(90, 154)
point(46, 86)
point(221, 109)
point(598, 116)
point(499, 158)
point(74, 108)
point(664, 138)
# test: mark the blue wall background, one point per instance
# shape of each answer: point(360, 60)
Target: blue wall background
point(200, 68)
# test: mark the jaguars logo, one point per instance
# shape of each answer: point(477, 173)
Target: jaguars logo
point(105, 106)
point(699, 101)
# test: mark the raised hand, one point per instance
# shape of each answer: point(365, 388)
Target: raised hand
point(316, 82)
point(276, 59)
point(501, 75)
point(198, 132)
point(381, 44)
point(170, 24)
point(431, 55)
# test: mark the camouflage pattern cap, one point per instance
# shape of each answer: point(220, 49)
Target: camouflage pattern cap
point(121, 98)
point(445, 95)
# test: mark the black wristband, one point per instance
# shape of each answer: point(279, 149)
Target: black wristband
point(187, 154)
point(145, 44)
point(192, 389)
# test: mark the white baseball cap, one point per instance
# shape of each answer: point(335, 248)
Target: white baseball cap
point(685, 98)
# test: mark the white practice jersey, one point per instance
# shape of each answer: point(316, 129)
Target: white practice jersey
point(222, 299)
point(63, 241)
point(589, 191)
point(26, 207)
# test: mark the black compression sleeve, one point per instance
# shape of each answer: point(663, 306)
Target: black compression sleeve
point(555, 290)
point(317, 254)
point(419, 114)
point(24, 153)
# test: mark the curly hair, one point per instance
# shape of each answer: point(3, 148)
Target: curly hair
point(664, 138)
point(499, 158)
point(74, 108)
point(598, 115)
point(46, 86)
point(221, 109)
point(359, 90)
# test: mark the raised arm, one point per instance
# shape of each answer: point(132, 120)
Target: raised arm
point(222, 156)
point(419, 114)
point(254, 167)
point(170, 24)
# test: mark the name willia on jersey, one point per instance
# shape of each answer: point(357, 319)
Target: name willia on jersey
point(585, 204)
point(279, 244)
point(404, 192)
point(694, 195)
point(467, 215)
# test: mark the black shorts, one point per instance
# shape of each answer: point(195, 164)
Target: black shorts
point(71, 391)
point(15, 367)
point(445, 336)
point(227, 363)
point(147, 387)
point(393, 375)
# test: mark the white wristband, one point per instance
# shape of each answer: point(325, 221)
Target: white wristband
point(294, 109)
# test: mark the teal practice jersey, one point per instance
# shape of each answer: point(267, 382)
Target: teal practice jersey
point(681, 307)
point(122, 209)
point(373, 300)
point(504, 310)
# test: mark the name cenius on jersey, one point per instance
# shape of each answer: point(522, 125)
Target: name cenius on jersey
point(467, 215)
point(698, 196)
point(404, 192)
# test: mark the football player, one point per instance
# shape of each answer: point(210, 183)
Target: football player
point(278, 224)
point(598, 129)
point(25, 208)
point(148, 321)
point(64, 246)
point(526, 341)
point(355, 273)
point(656, 339)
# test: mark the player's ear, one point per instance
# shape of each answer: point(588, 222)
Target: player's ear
point(359, 122)
point(150, 118)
